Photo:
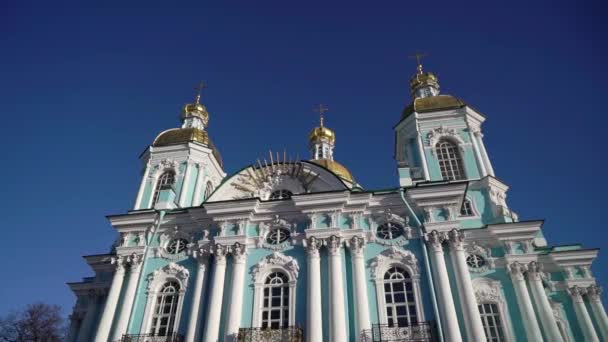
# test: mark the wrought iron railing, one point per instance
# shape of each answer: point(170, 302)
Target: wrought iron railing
point(172, 337)
point(289, 334)
point(419, 332)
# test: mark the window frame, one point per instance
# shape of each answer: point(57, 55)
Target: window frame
point(157, 185)
point(473, 208)
point(159, 304)
point(489, 291)
point(454, 156)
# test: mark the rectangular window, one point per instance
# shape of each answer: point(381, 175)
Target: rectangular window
point(490, 317)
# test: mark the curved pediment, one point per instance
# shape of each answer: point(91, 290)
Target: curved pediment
point(263, 181)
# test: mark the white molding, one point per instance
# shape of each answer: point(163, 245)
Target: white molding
point(485, 253)
point(381, 264)
point(156, 279)
point(387, 216)
point(272, 263)
point(489, 291)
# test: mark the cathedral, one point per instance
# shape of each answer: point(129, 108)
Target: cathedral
point(298, 250)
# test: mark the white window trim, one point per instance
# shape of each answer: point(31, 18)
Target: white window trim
point(489, 291)
point(485, 253)
point(156, 281)
point(275, 262)
point(277, 222)
point(165, 238)
point(389, 217)
point(160, 168)
point(475, 212)
point(381, 264)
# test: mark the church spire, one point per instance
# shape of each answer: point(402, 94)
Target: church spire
point(423, 84)
point(195, 115)
point(322, 139)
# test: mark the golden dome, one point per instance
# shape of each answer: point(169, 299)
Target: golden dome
point(432, 104)
point(335, 167)
point(196, 109)
point(322, 133)
point(422, 79)
point(184, 135)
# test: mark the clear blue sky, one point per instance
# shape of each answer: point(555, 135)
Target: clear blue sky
point(83, 91)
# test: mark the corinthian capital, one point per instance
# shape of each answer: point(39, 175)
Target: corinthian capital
point(516, 270)
point(456, 239)
point(220, 252)
point(356, 245)
point(333, 245)
point(576, 293)
point(239, 252)
point(120, 262)
point(312, 247)
point(534, 270)
point(594, 292)
point(435, 239)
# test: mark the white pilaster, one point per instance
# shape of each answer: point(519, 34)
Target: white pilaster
point(484, 154)
point(212, 327)
point(356, 246)
point(542, 303)
point(235, 310)
point(425, 166)
point(516, 270)
point(84, 333)
point(193, 322)
point(124, 313)
point(198, 188)
point(337, 323)
point(480, 161)
point(185, 184)
point(584, 320)
point(444, 292)
point(314, 320)
point(105, 324)
point(142, 187)
point(594, 294)
point(468, 302)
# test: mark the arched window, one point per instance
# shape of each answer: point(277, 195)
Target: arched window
point(165, 310)
point(450, 161)
point(280, 194)
point(467, 208)
point(490, 318)
point(165, 181)
point(208, 190)
point(399, 297)
point(275, 303)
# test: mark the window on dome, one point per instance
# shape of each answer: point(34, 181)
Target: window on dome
point(177, 246)
point(277, 236)
point(280, 194)
point(476, 261)
point(165, 311)
point(399, 297)
point(467, 208)
point(275, 308)
point(389, 231)
point(490, 318)
point(450, 161)
point(165, 181)
point(208, 190)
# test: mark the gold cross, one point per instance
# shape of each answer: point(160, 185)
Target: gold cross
point(419, 56)
point(199, 91)
point(321, 109)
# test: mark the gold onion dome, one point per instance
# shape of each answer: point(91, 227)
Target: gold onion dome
point(196, 109)
point(423, 79)
point(322, 133)
point(335, 167)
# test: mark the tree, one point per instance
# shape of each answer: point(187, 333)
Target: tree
point(38, 322)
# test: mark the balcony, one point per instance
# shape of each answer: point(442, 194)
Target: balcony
point(420, 332)
point(173, 337)
point(289, 334)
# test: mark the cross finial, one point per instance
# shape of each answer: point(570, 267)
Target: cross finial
point(419, 56)
point(199, 91)
point(321, 109)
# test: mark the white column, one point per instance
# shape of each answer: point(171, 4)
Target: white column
point(142, 187)
point(337, 319)
point(105, 324)
point(356, 246)
point(444, 293)
point(468, 302)
point(212, 327)
point(185, 184)
point(545, 310)
point(193, 327)
point(484, 153)
point(124, 313)
point(425, 166)
point(584, 320)
point(314, 332)
point(516, 270)
point(196, 200)
point(595, 301)
point(480, 161)
point(235, 311)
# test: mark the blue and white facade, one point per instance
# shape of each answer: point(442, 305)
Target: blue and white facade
point(294, 250)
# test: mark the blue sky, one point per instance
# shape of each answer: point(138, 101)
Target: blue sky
point(84, 90)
